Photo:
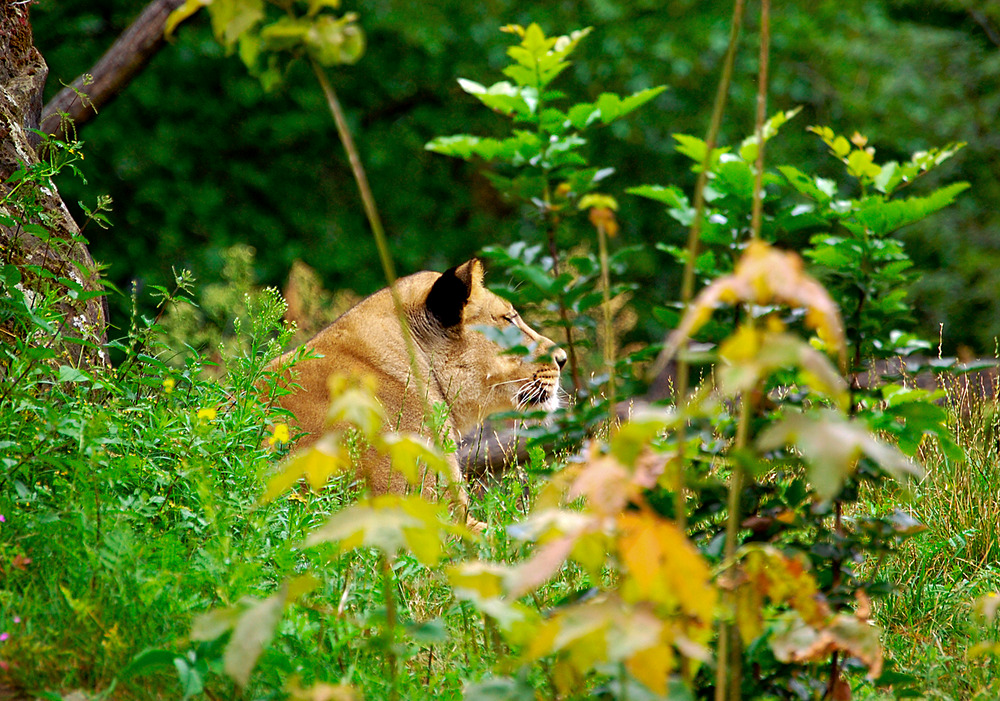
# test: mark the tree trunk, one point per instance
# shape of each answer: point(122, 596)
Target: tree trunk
point(57, 261)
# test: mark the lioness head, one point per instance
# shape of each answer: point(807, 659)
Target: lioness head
point(475, 373)
point(458, 363)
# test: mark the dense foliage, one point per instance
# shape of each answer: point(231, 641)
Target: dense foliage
point(743, 541)
point(265, 169)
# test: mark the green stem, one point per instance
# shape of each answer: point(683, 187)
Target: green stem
point(371, 212)
point(728, 656)
point(758, 183)
point(694, 238)
point(390, 626)
point(574, 366)
point(609, 332)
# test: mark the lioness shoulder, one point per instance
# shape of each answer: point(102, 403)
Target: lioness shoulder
point(458, 364)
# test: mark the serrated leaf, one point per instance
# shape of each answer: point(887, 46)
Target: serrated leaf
point(882, 217)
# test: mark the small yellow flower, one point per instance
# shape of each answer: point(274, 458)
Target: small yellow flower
point(206, 414)
point(168, 385)
point(280, 434)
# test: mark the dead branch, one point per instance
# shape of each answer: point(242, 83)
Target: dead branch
point(112, 73)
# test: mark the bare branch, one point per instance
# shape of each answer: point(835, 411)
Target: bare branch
point(113, 72)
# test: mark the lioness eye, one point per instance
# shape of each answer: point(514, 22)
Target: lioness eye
point(511, 318)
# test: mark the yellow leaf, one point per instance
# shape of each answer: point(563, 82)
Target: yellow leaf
point(762, 276)
point(181, 14)
point(391, 523)
point(317, 464)
point(483, 579)
point(353, 402)
point(409, 452)
point(663, 567)
point(653, 666)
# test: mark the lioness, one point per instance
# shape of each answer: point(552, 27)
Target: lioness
point(457, 363)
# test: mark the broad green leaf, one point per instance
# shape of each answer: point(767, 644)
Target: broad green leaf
point(695, 149)
point(460, 145)
point(583, 115)
point(70, 374)
point(806, 185)
point(611, 106)
point(736, 178)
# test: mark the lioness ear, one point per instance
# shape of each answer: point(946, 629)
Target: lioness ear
point(450, 293)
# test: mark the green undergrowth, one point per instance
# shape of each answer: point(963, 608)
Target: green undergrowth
point(931, 621)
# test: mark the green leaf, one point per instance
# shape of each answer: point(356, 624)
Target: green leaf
point(881, 217)
point(499, 689)
point(460, 145)
point(232, 18)
point(148, 659)
point(503, 97)
point(736, 178)
point(695, 149)
point(583, 115)
point(69, 374)
point(817, 190)
point(335, 42)
point(611, 106)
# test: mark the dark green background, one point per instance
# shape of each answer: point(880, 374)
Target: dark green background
point(197, 157)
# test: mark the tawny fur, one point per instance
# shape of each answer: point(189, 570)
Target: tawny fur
point(457, 364)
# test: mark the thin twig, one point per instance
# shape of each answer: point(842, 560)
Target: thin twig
point(758, 183)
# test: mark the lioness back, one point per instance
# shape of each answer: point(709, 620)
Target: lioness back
point(456, 362)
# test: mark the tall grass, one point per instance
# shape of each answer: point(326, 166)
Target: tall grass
point(929, 621)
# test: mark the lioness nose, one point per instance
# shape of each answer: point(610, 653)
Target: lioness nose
point(559, 355)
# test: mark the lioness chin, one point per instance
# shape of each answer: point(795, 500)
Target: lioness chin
point(457, 364)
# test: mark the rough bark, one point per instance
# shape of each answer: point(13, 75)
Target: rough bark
point(61, 252)
point(126, 58)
